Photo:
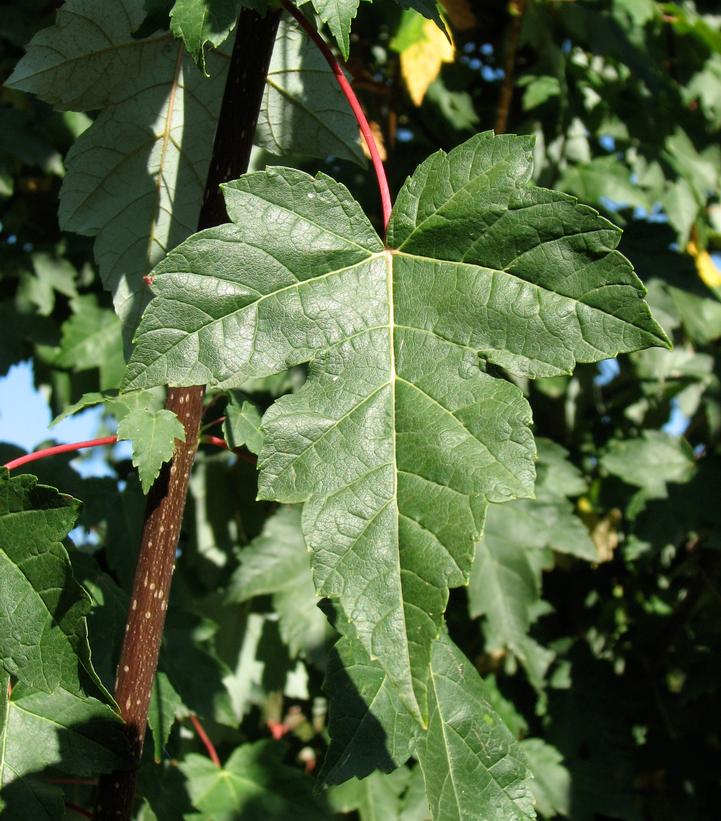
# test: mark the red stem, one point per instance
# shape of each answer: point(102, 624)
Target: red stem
point(110, 440)
point(203, 736)
point(355, 105)
point(41, 454)
point(214, 440)
point(221, 443)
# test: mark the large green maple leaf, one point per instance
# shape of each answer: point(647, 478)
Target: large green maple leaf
point(399, 437)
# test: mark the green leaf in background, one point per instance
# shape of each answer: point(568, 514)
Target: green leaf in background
point(505, 585)
point(36, 581)
point(556, 476)
point(252, 784)
point(539, 90)
point(277, 563)
point(376, 797)
point(505, 580)
point(91, 339)
point(107, 617)
point(472, 765)
point(193, 668)
point(303, 110)
point(551, 783)
point(203, 23)
point(338, 15)
point(687, 21)
point(604, 178)
point(650, 462)
point(153, 435)
point(164, 703)
point(242, 425)
point(397, 433)
point(50, 276)
point(415, 804)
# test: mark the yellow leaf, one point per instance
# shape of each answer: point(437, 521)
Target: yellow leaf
point(707, 270)
point(705, 266)
point(605, 535)
point(421, 62)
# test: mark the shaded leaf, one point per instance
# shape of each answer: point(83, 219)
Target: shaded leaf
point(43, 634)
point(303, 111)
point(242, 425)
point(164, 703)
point(28, 796)
point(135, 178)
point(650, 462)
point(76, 734)
point(277, 563)
point(91, 339)
point(551, 784)
point(64, 62)
point(194, 669)
point(369, 727)
point(253, 783)
point(375, 797)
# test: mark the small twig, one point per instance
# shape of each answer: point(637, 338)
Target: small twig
point(73, 446)
point(355, 105)
point(518, 8)
point(203, 736)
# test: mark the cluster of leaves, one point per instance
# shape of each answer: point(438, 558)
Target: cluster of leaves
point(588, 607)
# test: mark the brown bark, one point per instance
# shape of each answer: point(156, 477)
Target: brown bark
point(505, 98)
point(166, 501)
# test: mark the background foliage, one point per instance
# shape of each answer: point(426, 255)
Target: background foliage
point(593, 609)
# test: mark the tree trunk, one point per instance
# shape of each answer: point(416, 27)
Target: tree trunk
point(164, 513)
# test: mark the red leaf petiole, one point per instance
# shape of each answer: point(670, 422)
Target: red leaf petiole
point(355, 105)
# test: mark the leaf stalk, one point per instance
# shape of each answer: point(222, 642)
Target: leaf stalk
point(55, 449)
point(205, 738)
point(356, 108)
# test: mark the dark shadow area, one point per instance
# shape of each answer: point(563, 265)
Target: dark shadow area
point(78, 751)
